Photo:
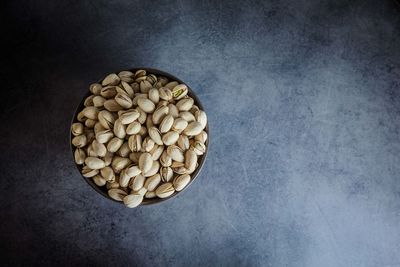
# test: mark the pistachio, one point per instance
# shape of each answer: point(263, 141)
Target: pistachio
point(137, 182)
point(173, 110)
point(148, 144)
point(108, 158)
point(190, 160)
point(77, 128)
point(113, 185)
point(179, 125)
point(95, 88)
point(134, 156)
point(133, 128)
point(88, 101)
point(106, 119)
point(152, 182)
point(161, 81)
point(108, 174)
point(80, 117)
point(185, 104)
point(90, 136)
point(153, 170)
point(177, 164)
point(146, 105)
point(90, 112)
point(175, 153)
point(90, 123)
point(150, 194)
point(145, 86)
point(129, 116)
point(119, 129)
point(94, 163)
point(133, 200)
point(124, 178)
point(154, 95)
point(166, 124)
point(170, 138)
point(140, 73)
point(141, 79)
point(180, 170)
point(143, 116)
point(180, 182)
point(88, 172)
point(98, 101)
point(194, 109)
point(104, 136)
point(126, 89)
point(108, 92)
point(99, 181)
point(187, 116)
point(79, 156)
point(201, 137)
point(98, 127)
point(124, 150)
point(133, 170)
point(165, 93)
point(90, 151)
point(135, 142)
point(142, 191)
point(165, 190)
point(79, 141)
point(155, 135)
point(149, 122)
point(171, 85)
point(199, 148)
point(99, 148)
point(179, 91)
point(136, 98)
point(117, 194)
point(112, 105)
point(165, 159)
point(194, 128)
point(123, 100)
point(114, 144)
point(118, 164)
point(166, 174)
point(145, 162)
point(159, 114)
point(201, 117)
point(156, 151)
point(183, 142)
point(151, 78)
point(111, 79)
point(126, 76)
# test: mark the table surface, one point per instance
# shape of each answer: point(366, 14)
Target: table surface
point(303, 101)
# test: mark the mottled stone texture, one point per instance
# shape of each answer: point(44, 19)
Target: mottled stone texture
point(303, 100)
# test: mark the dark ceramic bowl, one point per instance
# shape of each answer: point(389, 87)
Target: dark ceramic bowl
point(103, 190)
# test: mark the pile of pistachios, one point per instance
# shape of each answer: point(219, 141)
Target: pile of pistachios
point(139, 135)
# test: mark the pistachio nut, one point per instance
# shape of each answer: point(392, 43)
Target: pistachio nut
point(88, 172)
point(201, 117)
point(90, 112)
point(142, 191)
point(166, 174)
point(99, 148)
point(133, 200)
point(137, 96)
point(98, 127)
point(90, 123)
point(90, 136)
point(123, 100)
point(126, 89)
point(180, 170)
point(179, 91)
point(133, 128)
point(99, 181)
point(183, 142)
point(135, 142)
point(133, 170)
point(108, 174)
point(165, 93)
point(112, 105)
point(145, 86)
point(185, 104)
point(179, 125)
point(79, 141)
point(194, 109)
point(113, 185)
point(114, 144)
point(119, 129)
point(149, 122)
point(201, 137)
point(175, 153)
point(94, 163)
point(165, 190)
point(111, 79)
point(104, 136)
point(108, 92)
point(171, 85)
point(145, 162)
point(146, 105)
point(199, 148)
point(118, 164)
point(140, 73)
point(156, 151)
point(124, 178)
point(124, 150)
point(153, 170)
point(90, 151)
point(137, 182)
point(152, 182)
point(77, 128)
point(95, 88)
point(190, 160)
point(166, 123)
point(173, 110)
point(129, 116)
point(106, 119)
point(159, 114)
point(154, 95)
point(165, 159)
point(151, 78)
point(155, 134)
point(143, 115)
point(180, 182)
point(88, 101)
point(126, 76)
point(117, 194)
point(170, 138)
point(98, 101)
point(79, 156)
point(150, 194)
point(134, 156)
point(148, 144)
point(108, 158)
point(194, 128)
point(187, 116)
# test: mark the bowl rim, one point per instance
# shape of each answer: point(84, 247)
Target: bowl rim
point(146, 201)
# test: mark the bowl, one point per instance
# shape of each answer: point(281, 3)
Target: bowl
point(146, 201)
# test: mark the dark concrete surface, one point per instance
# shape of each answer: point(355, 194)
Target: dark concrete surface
point(303, 101)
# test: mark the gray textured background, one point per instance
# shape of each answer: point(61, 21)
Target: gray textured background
point(303, 101)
